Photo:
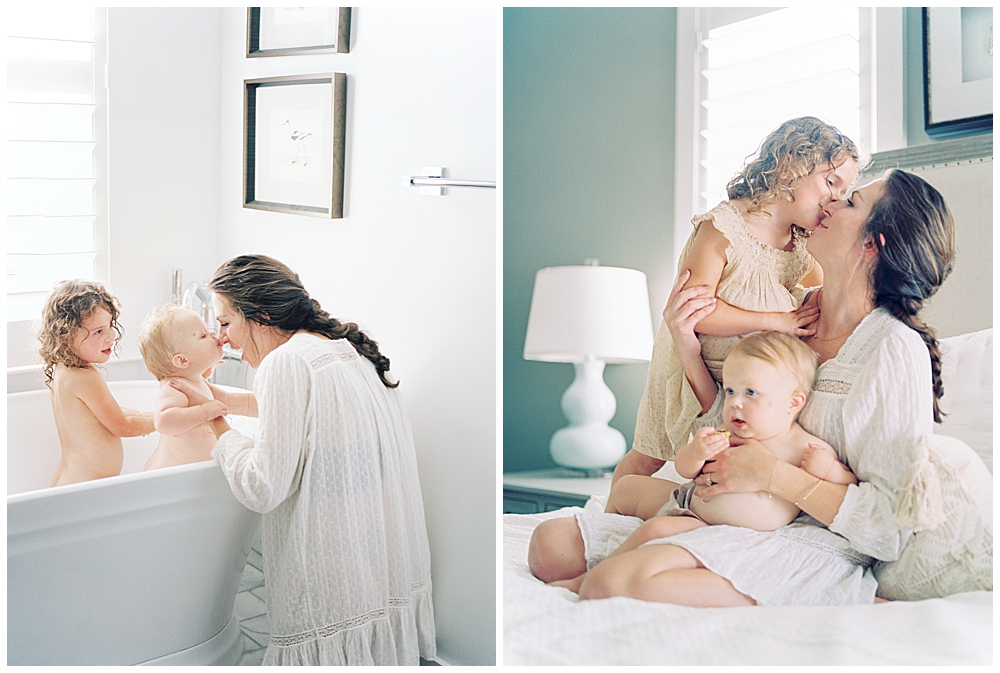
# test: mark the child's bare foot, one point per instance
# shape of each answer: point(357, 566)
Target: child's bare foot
point(573, 584)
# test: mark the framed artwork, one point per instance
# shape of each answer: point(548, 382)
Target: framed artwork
point(294, 136)
point(958, 69)
point(287, 31)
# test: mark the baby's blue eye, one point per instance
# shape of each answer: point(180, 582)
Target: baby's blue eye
point(729, 391)
point(751, 392)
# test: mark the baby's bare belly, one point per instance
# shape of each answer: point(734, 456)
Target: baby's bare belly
point(749, 510)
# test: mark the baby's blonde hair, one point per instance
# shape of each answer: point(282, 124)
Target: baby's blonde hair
point(156, 340)
point(71, 302)
point(795, 149)
point(782, 352)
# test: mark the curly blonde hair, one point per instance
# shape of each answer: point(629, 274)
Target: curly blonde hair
point(791, 151)
point(71, 302)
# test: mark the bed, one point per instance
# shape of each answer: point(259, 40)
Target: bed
point(547, 625)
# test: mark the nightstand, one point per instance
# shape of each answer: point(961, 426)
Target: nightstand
point(546, 490)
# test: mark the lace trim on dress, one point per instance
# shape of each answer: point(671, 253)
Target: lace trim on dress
point(333, 629)
point(832, 386)
point(332, 357)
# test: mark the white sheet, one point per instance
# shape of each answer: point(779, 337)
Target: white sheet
point(546, 625)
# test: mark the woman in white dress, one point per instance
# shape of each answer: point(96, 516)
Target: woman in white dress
point(919, 523)
point(333, 470)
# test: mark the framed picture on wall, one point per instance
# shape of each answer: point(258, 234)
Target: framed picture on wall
point(294, 136)
point(287, 31)
point(958, 69)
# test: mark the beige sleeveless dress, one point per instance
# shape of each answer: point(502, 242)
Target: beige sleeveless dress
point(756, 277)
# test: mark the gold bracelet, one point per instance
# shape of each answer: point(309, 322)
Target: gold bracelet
point(811, 490)
point(773, 470)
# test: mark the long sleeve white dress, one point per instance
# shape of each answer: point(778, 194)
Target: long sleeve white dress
point(344, 542)
point(916, 526)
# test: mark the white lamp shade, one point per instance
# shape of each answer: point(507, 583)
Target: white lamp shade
point(597, 311)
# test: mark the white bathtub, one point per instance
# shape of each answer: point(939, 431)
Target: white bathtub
point(142, 568)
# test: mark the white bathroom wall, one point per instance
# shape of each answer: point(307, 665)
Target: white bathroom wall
point(418, 271)
point(164, 68)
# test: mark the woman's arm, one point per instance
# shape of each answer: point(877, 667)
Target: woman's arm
point(239, 404)
point(687, 305)
point(264, 473)
point(750, 467)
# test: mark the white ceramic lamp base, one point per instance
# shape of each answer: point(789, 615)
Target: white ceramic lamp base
point(588, 442)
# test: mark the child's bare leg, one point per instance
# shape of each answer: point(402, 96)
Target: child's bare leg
point(663, 573)
point(657, 528)
point(636, 495)
point(654, 529)
point(556, 550)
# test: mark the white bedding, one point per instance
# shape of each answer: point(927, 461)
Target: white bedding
point(547, 625)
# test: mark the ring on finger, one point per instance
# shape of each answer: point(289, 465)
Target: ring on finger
point(708, 480)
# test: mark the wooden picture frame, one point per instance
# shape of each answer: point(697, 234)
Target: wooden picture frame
point(294, 143)
point(290, 31)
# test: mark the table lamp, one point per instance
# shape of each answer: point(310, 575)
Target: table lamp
point(589, 315)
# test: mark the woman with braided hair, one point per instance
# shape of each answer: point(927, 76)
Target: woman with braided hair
point(333, 470)
point(919, 522)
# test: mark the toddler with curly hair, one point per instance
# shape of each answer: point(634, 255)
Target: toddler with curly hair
point(79, 330)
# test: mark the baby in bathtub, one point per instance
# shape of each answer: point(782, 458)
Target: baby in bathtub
point(78, 332)
point(175, 344)
point(766, 379)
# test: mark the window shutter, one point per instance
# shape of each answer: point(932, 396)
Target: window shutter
point(770, 68)
point(52, 82)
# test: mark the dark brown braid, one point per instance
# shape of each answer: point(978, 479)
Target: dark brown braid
point(914, 233)
point(267, 292)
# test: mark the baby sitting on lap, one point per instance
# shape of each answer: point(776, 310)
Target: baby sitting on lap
point(175, 343)
point(766, 379)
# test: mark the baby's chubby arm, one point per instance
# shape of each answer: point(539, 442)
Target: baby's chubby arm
point(89, 387)
point(691, 457)
point(174, 417)
point(820, 460)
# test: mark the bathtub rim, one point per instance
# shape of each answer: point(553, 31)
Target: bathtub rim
point(28, 496)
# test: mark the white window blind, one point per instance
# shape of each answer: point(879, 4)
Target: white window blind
point(54, 81)
point(764, 70)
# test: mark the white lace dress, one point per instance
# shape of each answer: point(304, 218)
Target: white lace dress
point(333, 469)
point(756, 277)
point(912, 523)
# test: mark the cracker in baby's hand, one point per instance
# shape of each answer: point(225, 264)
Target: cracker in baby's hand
point(720, 431)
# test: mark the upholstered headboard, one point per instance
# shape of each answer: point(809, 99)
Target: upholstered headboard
point(967, 373)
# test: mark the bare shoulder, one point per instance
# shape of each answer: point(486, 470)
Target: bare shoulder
point(805, 439)
point(77, 380)
point(168, 397)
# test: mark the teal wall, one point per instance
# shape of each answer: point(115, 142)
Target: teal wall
point(588, 159)
point(913, 80)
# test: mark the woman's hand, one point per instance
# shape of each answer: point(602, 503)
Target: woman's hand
point(742, 468)
point(194, 397)
point(686, 306)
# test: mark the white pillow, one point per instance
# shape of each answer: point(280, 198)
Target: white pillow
point(967, 373)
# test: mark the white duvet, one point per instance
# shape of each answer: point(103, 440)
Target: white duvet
point(547, 625)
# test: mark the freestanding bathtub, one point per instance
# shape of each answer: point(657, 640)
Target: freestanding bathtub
point(142, 568)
